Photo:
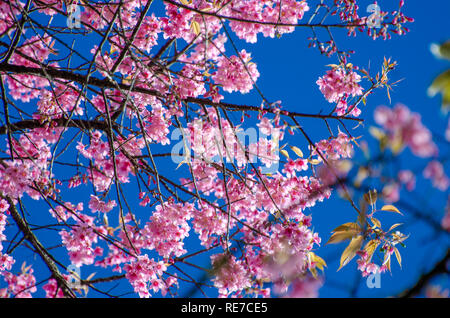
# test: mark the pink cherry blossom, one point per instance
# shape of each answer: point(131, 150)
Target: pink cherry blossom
point(405, 126)
point(339, 83)
point(435, 172)
point(95, 204)
point(236, 73)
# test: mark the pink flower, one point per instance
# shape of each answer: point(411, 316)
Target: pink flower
point(265, 126)
point(305, 288)
point(408, 178)
point(391, 192)
point(435, 171)
point(21, 285)
point(447, 131)
point(230, 276)
point(295, 165)
point(406, 127)
point(339, 83)
point(52, 290)
point(95, 204)
point(167, 229)
point(4, 205)
point(144, 274)
point(291, 12)
point(233, 75)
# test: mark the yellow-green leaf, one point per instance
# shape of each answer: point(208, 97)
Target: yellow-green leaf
point(181, 163)
point(340, 236)
point(314, 161)
point(285, 153)
point(390, 208)
point(441, 50)
point(441, 84)
point(297, 151)
point(371, 197)
point(350, 251)
point(377, 133)
point(387, 261)
point(90, 276)
point(319, 261)
point(362, 174)
point(371, 247)
point(362, 218)
point(195, 26)
point(398, 256)
point(313, 272)
point(376, 222)
point(350, 226)
point(397, 144)
point(394, 226)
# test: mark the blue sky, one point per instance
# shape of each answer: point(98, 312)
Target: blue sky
point(289, 70)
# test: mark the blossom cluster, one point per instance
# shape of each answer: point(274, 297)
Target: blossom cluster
point(435, 171)
point(6, 261)
point(145, 274)
point(21, 285)
point(405, 128)
point(337, 85)
point(81, 239)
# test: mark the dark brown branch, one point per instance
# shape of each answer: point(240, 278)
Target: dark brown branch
point(60, 122)
point(106, 83)
point(41, 250)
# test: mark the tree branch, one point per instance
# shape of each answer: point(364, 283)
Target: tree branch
point(41, 250)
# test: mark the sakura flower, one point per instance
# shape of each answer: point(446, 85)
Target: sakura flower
point(236, 73)
point(405, 128)
point(338, 83)
point(435, 172)
point(95, 204)
point(4, 205)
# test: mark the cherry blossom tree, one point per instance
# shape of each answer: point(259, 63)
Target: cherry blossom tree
point(116, 115)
